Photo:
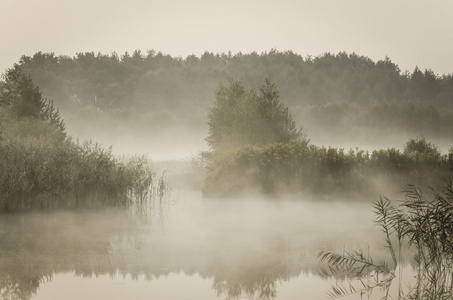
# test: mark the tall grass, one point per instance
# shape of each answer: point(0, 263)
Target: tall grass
point(426, 226)
point(70, 175)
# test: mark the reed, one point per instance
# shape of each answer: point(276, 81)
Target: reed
point(71, 175)
point(426, 227)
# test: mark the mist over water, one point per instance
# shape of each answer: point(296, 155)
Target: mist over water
point(157, 142)
point(229, 198)
point(191, 248)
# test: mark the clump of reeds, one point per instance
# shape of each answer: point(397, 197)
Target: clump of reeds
point(70, 175)
point(424, 225)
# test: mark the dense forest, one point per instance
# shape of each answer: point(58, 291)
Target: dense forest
point(340, 99)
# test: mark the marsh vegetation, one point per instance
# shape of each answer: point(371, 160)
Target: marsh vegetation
point(43, 168)
point(418, 226)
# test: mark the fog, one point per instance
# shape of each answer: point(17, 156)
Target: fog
point(233, 247)
point(158, 142)
point(401, 30)
point(155, 103)
point(251, 165)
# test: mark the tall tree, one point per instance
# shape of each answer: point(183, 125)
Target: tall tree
point(277, 124)
point(22, 99)
point(239, 118)
point(19, 94)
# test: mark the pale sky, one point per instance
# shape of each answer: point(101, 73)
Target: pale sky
point(410, 32)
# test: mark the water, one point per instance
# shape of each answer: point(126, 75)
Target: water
point(192, 248)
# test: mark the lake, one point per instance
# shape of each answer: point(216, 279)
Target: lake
point(186, 248)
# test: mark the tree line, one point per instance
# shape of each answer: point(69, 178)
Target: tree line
point(127, 79)
point(348, 93)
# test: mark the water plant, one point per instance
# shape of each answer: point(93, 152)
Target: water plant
point(423, 226)
point(71, 175)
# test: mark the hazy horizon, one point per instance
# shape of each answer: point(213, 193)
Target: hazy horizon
point(410, 33)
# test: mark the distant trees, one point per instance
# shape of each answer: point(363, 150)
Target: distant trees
point(342, 96)
point(239, 118)
point(311, 80)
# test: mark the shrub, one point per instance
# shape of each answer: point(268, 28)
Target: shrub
point(295, 167)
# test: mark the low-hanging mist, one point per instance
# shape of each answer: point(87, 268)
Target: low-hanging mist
point(244, 247)
point(247, 211)
point(140, 99)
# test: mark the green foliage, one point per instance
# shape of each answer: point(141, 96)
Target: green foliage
point(278, 125)
point(340, 96)
point(240, 118)
point(254, 168)
point(295, 167)
point(21, 99)
point(19, 94)
point(31, 131)
point(421, 146)
point(41, 168)
point(424, 225)
point(69, 175)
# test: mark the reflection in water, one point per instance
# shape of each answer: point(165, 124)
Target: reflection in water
point(244, 248)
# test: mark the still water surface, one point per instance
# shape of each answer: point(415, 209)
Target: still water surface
point(190, 248)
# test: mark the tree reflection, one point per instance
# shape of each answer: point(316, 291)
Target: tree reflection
point(254, 279)
point(240, 256)
point(35, 246)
